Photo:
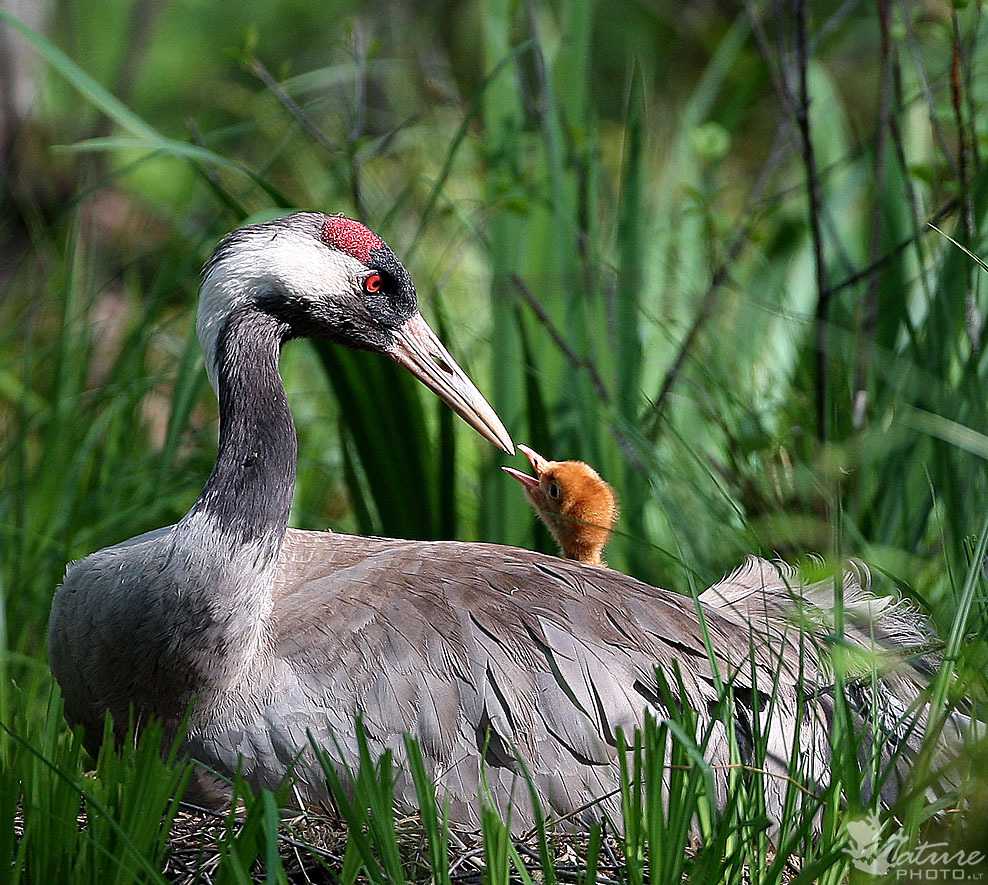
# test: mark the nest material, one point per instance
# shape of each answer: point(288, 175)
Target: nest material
point(312, 849)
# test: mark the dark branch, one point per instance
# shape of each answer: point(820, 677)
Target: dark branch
point(866, 272)
point(257, 68)
point(967, 209)
point(577, 361)
point(721, 275)
point(813, 195)
point(869, 311)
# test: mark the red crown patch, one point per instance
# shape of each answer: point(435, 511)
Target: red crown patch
point(347, 235)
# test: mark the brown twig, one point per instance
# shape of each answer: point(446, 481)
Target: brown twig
point(972, 110)
point(903, 104)
point(865, 272)
point(869, 308)
point(956, 100)
point(972, 320)
point(577, 361)
point(257, 68)
point(798, 110)
point(802, 110)
point(720, 276)
point(623, 440)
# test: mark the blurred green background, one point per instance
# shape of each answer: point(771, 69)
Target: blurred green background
point(689, 243)
point(606, 211)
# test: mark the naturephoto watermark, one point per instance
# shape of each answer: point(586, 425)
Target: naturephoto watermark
point(878, 854)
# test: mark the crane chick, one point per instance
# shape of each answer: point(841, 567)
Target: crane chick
point(577, 506)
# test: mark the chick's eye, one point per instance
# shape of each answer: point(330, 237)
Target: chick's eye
point(372, 283)
point(553, 490)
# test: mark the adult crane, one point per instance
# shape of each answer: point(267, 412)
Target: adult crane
point(268, 634)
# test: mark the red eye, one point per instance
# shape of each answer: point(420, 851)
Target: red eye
point(372, 283)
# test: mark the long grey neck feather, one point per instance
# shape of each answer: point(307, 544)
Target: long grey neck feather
point(249, 494)
point(224, 551)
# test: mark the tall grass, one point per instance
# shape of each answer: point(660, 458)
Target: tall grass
point(619, 247)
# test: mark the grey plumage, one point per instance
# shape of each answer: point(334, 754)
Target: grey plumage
point(272, 634)
point(887, 665)
point(436, 639)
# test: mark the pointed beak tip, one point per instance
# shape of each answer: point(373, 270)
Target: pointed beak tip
point(526, 481)
point(494, 431)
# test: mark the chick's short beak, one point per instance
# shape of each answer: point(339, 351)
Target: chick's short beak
point(538, 465)
point(418, 349)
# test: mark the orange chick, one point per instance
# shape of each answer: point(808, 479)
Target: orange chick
point(576, 505)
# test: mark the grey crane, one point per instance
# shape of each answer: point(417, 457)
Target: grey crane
point(268, 634)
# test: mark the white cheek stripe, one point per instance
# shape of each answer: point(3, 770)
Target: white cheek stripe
point(288, 262)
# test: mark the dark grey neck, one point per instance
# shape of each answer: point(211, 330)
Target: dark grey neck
point(249, 494)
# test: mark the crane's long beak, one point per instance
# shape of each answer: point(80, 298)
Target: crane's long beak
point(419, 350)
